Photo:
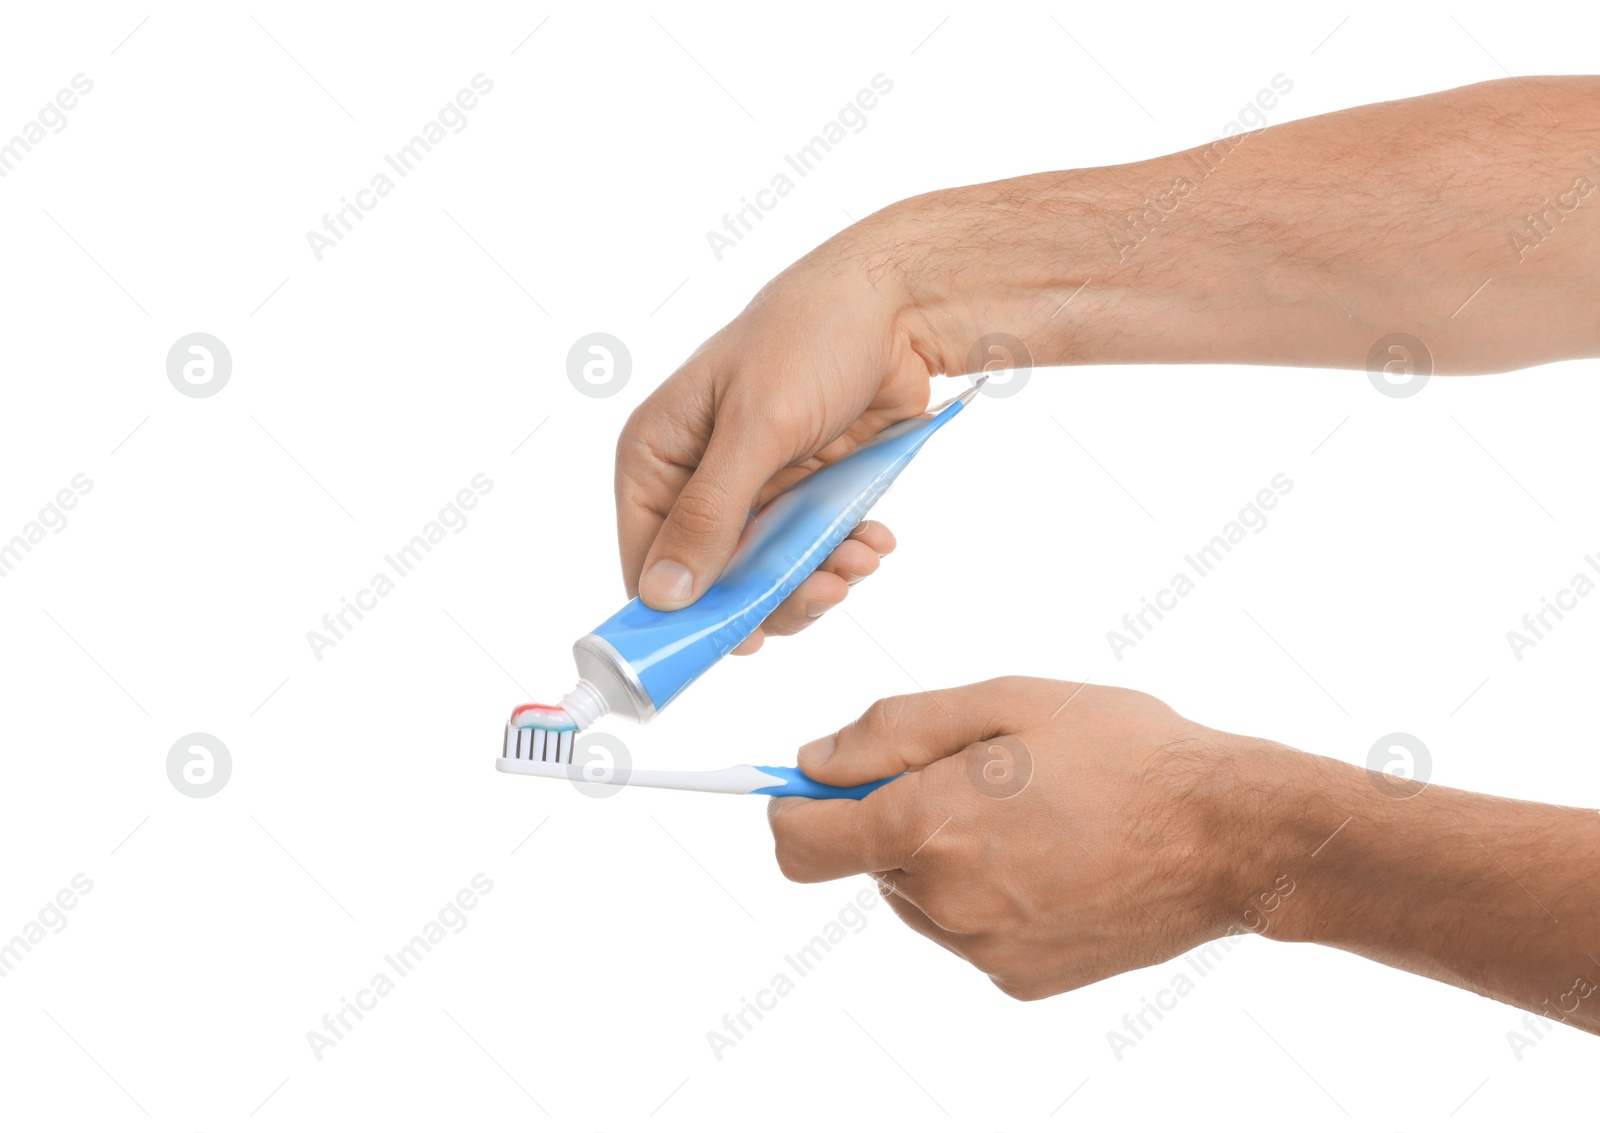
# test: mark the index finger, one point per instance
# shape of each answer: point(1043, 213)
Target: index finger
point(826, 839)
point(658, 451)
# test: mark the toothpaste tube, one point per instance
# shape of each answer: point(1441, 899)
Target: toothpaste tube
point(638, 660)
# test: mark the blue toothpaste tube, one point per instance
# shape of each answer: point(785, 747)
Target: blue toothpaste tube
point(637, 661)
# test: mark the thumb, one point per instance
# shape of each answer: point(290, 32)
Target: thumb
point(699, 534)
point(902, 733)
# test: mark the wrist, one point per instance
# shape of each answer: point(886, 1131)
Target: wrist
point(1347, 850)
point(1276, 812)
point(1119, 264)
point(1013, 257)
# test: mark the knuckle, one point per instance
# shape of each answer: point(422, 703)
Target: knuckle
point(1027, 696)
point(871, 721)
point(892, 827)
point(989, 954)
point(886, 718)
point(652, 432)
point(697, 514)
point(910, 826)
point(879, 532)
point(956, 914)
point(629, 441)
point(785, 621)
point(1023, 990)
point(852, 559)
point(790, 862)
point(636, 458)
point(1133, 702)
point(785, 846)
point(785, 417)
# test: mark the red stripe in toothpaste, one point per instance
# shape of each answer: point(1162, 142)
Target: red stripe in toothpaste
point(549, 717)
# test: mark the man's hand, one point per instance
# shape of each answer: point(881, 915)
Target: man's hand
point(1055, 834)
point(1052, 834)
point(1306, 244)
point(819, 362)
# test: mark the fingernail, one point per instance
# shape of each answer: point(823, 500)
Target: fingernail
point(817, 609)
point(816, 752)
point(667, 582)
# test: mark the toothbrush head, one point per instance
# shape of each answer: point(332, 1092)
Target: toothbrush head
point(541, 733)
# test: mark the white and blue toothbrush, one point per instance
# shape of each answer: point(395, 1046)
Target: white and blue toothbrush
point(539, 741)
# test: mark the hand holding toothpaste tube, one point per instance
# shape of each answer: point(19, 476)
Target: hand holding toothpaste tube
point(1405, 207)
point(810, 371)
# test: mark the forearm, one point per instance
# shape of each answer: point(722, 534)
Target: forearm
point(1469, 219)
point(1495, 895)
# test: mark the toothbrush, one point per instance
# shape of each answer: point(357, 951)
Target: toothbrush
point(539, 741)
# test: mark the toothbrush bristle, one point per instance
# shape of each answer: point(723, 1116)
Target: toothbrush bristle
point(540, 745)
point(540, 733)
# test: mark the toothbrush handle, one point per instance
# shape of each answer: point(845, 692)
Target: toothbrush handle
point(798, 783)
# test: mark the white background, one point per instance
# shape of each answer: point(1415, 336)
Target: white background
point(368, 388)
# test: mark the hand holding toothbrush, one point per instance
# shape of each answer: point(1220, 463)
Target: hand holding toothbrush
point(1055, 834)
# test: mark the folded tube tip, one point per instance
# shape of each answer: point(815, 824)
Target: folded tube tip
point(964, 397)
